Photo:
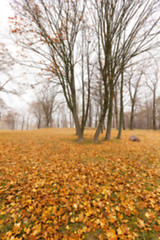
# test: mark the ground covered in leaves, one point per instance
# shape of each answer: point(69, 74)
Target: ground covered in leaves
point(52, 187)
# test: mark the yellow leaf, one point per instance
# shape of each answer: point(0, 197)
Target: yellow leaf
point(141, 223)
point(119, 231)
point(111, 234)
point(80, 217)
point(75, 205)
point(67, 227)
point(36, 230)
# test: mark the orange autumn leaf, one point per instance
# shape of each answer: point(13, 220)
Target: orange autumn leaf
point(54, 188)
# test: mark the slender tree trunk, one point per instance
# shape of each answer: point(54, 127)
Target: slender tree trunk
point(109, 124)
point(102, 127)
point(116, 109)
point(99, 127)
point(28, 122)
point(70, 119)
point(78, 128)
point(58, 122)
point(110, 112)
point(90, 116)
point(101, 122)
point(120, 123)
point(132, 117)
point(22, 126)
point(121, 109)
point(154, 110)
point(124, 124)
point(39, 123)
point(47, 123)
point(96, 117)
point(147, 112)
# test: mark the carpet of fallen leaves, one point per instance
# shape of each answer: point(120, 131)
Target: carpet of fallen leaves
point(52, 187)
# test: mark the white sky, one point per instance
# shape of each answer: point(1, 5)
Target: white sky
point(15, 102)
point(5, 12)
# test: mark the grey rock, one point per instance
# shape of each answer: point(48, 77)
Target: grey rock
point(134, 138)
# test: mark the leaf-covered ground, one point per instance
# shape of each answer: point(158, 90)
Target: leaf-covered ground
point(52, 187)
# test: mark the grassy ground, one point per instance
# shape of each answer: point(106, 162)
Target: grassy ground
point(52, 187)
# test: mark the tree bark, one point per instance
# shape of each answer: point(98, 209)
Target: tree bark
point(101, 121)
point(124, 124)
point(116, 109)
point(78, 128)
point(132, 117)
point(109, 122)
point(154, 110)
point(121, 109)
point(90, 116)
point(99, 127)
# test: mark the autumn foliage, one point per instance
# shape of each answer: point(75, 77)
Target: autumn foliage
point(52, 187)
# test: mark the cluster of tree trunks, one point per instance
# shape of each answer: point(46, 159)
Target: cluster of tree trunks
point(84, 44)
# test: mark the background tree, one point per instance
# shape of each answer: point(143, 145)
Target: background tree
point(6, 68)
point(44, 106)
point(36, 110)
point(3, 106)
point(10, 120)
point(112, 19)
point(152, 81)
point(72, 41)
point(52, 30)
point(47, 101)
point(133, 85)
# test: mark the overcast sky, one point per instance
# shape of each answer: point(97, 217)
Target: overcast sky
point(17, 103)
point(5, 12)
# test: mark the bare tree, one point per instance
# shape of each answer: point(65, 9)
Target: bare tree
point(116, 49)
point(61, 35)
point(152, 84)
point(48, 104)
point(121, 106)
point(158, 110)
point(133, 85)
point(36, 109)
point(52, 30)
point(44, 106)
point(6, 64)
point(116, 107)
point(3, 108)
point(10, 120)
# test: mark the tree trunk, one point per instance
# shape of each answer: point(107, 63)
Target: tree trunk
point(96, 118)
point(28, 123)
point(116, 110)
point(154, 110)
point(124, 124)
point(120, 124)
point(39, 123)
point(101, 122)
point(70, 120)
point(121, 109)
point(102, 127)
point(147, 112)
point(109, 122)
point(132, 117)
point(22, 126)
point(47, 123)
point(98, 130)
point(90, 116)
point(79, 132)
